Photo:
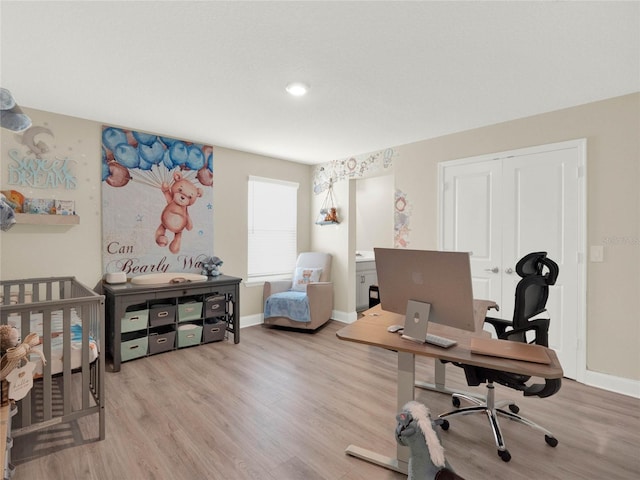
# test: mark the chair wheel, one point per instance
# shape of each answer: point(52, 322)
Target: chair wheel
point(444, 424)
point(514, 408)
point(455, 401)
point(551, 441)
point(504, 455)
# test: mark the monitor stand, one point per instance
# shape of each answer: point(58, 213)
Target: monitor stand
point(416, 323)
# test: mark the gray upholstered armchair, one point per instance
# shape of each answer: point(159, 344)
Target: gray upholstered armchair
point(306, 301)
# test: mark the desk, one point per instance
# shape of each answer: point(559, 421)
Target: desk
point(372, 330)
point(480, 309)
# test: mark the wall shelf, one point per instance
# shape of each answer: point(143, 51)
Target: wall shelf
point(43, 219)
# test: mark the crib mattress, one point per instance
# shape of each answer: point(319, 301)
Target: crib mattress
point(57, 341)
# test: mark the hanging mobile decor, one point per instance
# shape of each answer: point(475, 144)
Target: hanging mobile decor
point(328, 211)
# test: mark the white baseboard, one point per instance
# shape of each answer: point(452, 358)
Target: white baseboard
point(258, 318)
point(251, 320)
point(625, 386)
point(344, 317)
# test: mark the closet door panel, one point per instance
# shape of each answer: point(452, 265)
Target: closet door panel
point(534, 209)
point(472, 223)
point(543, 189)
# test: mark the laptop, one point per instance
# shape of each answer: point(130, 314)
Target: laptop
point(507, 349)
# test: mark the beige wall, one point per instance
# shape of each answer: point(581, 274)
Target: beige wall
point(232, 169)
point(612, 130)
point(374, 212)
point(335, 239)
point(42, 251)
point(28, 251)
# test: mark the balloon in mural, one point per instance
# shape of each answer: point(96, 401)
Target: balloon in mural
point(205, 174)
point(111, 137)
point(105, 171)
point(129, 155)
point(152, 153)
point(118, 175)
point(126, 155)
point(179, 153)
point(195, 158)
point(145, 138)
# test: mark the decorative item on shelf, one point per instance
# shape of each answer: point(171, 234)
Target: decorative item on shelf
point(328, 211)
point(211, 267)
point(15, 199)
point(39, 206)
point(65, 207)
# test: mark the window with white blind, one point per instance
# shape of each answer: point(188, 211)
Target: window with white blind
point(272, 222)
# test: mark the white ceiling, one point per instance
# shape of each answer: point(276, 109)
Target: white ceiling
point(381, 73)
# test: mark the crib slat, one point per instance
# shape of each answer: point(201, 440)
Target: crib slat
point(35, 293)
point(47, 398)
point(66, 361)
point(25, 408)
point(86, 386)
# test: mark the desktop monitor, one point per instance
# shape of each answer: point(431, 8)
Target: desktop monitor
point(441, 279)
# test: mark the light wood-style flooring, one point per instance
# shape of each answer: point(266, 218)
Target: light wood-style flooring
point(283, 405)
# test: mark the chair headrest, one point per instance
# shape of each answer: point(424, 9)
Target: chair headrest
point(535, 263)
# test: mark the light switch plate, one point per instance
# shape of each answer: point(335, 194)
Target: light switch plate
point(597, 253)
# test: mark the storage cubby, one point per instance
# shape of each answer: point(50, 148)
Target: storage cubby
point(145, 320)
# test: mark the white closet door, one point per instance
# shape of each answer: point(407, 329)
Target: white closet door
point(503, 206)
point(541, 201)
point(473, 223)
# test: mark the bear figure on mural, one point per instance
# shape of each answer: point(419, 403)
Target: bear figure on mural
point(175, 216)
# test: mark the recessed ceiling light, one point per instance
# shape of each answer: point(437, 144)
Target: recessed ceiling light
point(297, 89)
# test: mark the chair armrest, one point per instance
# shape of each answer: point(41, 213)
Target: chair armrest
point(539, 325)
point(320, 295)
point(480, 309)
point(550, 387)
point(320, 289)
point(275, 286)
point(500, 325)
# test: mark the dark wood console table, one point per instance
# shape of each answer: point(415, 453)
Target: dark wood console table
point(123, 300)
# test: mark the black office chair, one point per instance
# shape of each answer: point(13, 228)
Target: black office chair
point(538, 272)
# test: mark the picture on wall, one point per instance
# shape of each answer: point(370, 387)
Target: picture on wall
point(157, 203)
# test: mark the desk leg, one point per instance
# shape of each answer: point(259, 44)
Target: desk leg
point(439, 385)
point(405, 393)
point(440, 377)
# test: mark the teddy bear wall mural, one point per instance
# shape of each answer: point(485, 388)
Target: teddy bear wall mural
point(157, 211)
point(175, 216)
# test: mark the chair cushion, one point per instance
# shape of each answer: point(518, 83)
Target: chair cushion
point(293, 305)
point(303, 276)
